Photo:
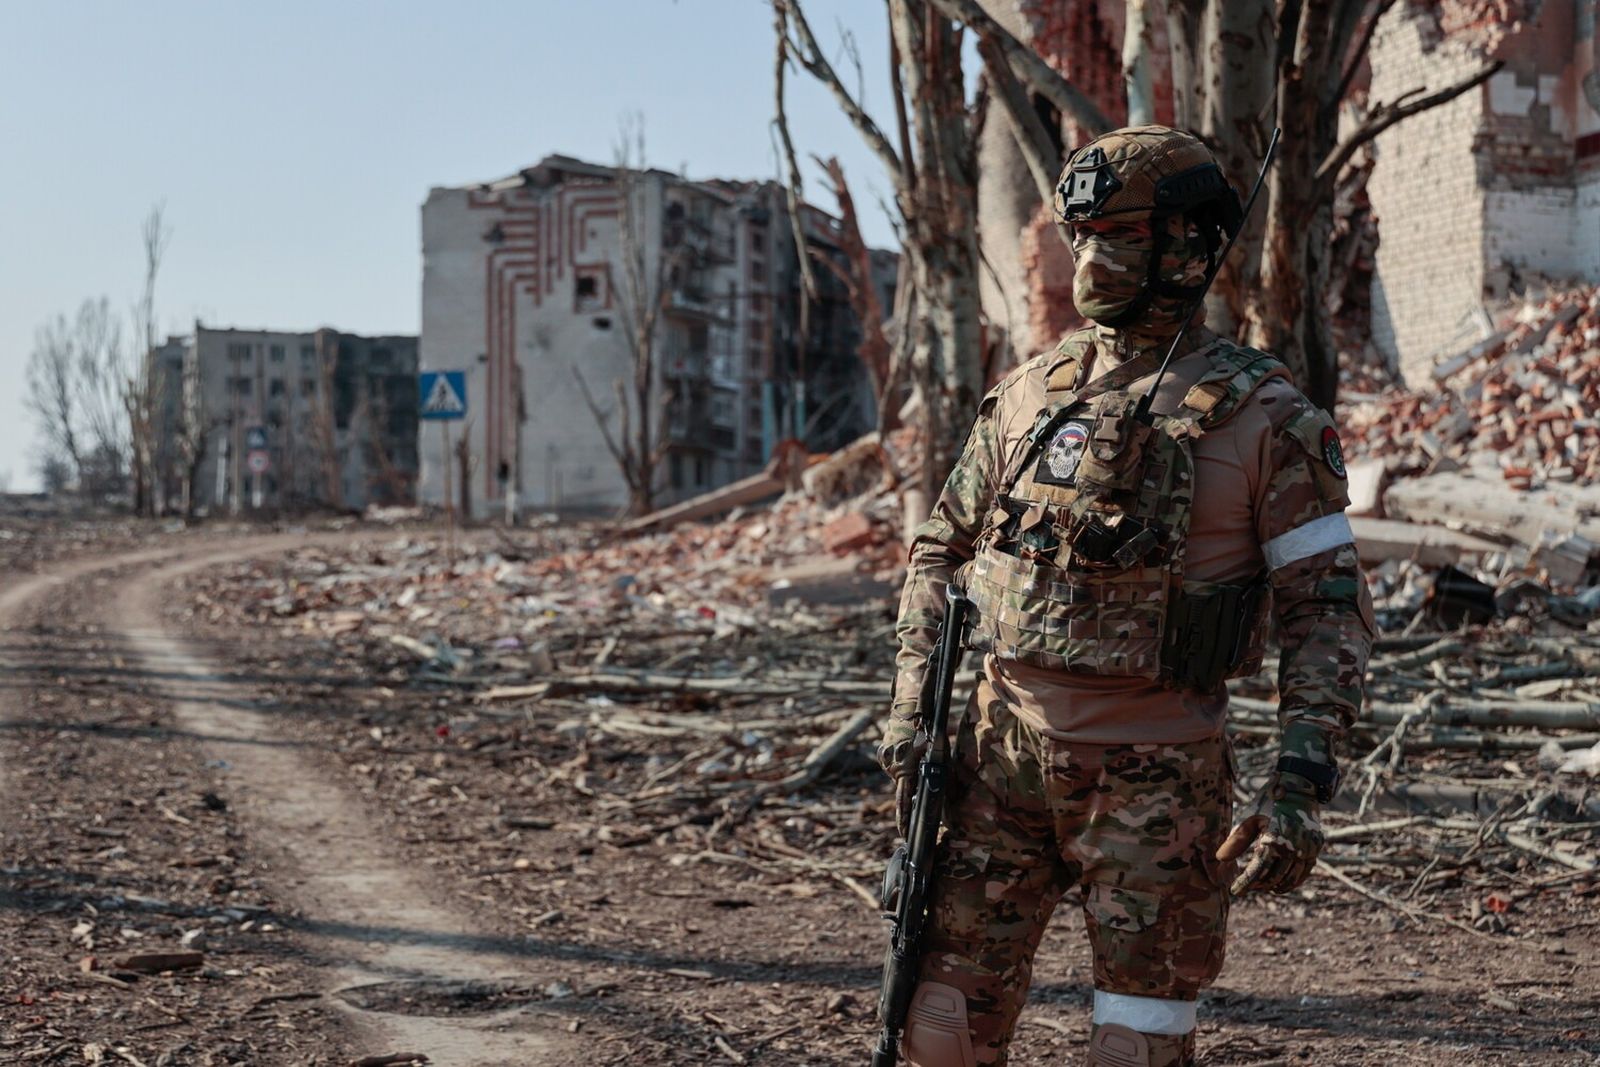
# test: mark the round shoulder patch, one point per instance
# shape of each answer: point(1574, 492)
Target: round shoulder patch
point(1332, 451)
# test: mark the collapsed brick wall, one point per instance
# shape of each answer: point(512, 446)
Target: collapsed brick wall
point(1499, 177)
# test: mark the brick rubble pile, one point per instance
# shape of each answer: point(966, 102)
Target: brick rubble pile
point(1523, 399)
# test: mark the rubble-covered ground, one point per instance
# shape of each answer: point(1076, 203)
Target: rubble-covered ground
point(372, 796)
point(1522, 400)
point(603, 752)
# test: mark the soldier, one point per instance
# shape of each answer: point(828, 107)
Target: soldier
point(1121, 570)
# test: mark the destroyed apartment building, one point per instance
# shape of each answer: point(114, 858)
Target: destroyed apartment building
point(292, 421)
point(524, 289)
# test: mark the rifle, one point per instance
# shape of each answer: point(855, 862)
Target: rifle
point(908, 881)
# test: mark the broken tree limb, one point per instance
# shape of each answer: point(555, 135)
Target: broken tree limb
point(1448, 646)
point(1398, 905)
point(1534, 848)
point(1030, 67)
point(824, 754)
point(1026, 129)
point(1546, 714)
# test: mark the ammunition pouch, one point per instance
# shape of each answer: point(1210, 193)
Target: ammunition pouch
point(1114, 541)
point(1213, 633)
point(1114, 456)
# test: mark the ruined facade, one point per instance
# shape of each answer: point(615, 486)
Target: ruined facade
point(339, 413)
point(523, 289)
point(1490, 194)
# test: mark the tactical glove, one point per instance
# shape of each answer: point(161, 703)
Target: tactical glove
point(1283, 835)
point(899, 753)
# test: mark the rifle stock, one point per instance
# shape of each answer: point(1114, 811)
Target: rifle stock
point(908, 881)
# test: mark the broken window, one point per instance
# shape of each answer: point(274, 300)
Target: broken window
point(589, 292)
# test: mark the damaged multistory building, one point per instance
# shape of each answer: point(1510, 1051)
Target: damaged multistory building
point(292, 421)
point(525, 289)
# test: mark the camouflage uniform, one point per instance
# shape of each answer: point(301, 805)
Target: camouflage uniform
point(1136, 827)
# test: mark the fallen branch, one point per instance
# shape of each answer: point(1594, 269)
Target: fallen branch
point(1398, 905)
point(1534, 848)
point(823, 754)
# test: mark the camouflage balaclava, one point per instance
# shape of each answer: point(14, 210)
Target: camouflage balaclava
point(1162, 208)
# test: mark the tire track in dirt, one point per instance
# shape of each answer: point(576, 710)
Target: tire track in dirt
point(367, 918)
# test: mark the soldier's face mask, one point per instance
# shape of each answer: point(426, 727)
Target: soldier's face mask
point(1111, 267)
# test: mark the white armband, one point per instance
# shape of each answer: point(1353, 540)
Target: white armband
point(1307, 539)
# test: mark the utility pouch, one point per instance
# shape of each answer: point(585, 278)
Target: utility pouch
point(1113, 459)
point(1114, 541)
point(1208, 633)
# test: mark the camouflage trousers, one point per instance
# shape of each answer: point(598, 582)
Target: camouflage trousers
point(1136, 827)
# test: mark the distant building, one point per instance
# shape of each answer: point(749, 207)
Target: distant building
point(523, 288)
point(1493, 192)
point(335, 414)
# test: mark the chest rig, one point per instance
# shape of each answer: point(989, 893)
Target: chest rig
point(1080, 565)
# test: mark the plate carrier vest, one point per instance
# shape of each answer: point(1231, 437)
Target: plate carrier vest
point(1080, 565)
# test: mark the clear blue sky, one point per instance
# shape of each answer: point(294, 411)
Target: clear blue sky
point(293, 142)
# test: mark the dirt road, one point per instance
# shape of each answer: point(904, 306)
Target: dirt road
point(364, 882)
point(361, 932)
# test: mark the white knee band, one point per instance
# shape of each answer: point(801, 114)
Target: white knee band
point(1148, 1015)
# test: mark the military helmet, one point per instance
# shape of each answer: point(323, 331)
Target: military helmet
point(1150, 173)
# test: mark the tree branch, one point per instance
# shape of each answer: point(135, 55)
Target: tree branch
point(1026, 128)
point(1386, 115)
point(792, 189)
point(1359, 52)
point(601, 419)
point(1029, 66)
point(809, 54)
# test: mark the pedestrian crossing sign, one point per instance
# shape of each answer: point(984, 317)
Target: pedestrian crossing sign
point(444, 394)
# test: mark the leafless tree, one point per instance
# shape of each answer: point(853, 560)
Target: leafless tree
point(855, 273)
point(141, 392)
point(52, 391)
point(1239, 68)
point(640, 282)
point(193, 432)
point(931, 165)
point(56, 472)
point(75, 377)
point(324, 420)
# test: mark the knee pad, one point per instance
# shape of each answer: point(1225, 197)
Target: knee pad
point(936, 1032)
point(1113, 1045)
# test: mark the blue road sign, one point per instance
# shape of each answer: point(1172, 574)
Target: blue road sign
point(255, 439)
point(444, 394)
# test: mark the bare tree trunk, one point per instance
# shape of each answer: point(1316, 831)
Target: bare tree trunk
point(324, 421)
point(874, 351)
point(141, 394)
point(1136, 76)
point(939, 328)
point(941, 224)
point(641, 440)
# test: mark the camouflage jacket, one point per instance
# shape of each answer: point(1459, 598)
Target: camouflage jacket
point(1320, 601)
